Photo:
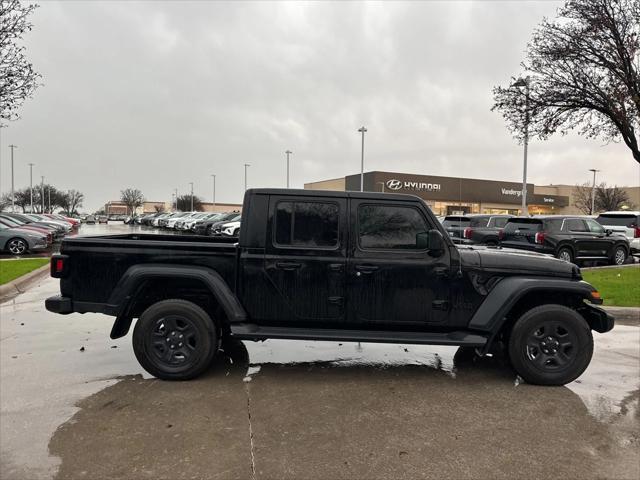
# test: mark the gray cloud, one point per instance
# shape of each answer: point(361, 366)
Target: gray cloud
point(157, 94)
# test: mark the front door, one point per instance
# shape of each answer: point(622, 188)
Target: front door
point(391, 280)
point(305, 261)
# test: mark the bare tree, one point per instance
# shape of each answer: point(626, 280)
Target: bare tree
point(159, 208)
point(582, 198)
point(18, 79)
point(184, 203)
point(611, 198)
point(71, 201)
point(132, 198)
point(582, 71)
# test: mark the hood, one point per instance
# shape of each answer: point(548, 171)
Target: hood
point(514, 261)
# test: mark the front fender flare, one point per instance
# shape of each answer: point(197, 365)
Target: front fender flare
point(129, 285)
point(490, 316)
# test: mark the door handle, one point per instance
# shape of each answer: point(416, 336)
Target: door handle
point(335, 267)
point(288, 265)
point(366, 268)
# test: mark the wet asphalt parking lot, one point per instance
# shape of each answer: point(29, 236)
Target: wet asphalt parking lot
point(75, 404)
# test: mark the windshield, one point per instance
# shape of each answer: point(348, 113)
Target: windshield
point(629, 221)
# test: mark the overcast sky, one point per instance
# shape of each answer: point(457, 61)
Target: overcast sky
point(154, 95)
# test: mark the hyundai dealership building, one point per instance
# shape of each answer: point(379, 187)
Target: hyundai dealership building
point(454, 195)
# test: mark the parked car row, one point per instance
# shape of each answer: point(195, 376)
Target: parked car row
point(200, 223)
point(611, 237)
point(22, 233)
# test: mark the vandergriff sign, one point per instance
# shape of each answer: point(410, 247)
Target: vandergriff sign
point(451, 189)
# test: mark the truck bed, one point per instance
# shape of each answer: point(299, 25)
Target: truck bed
point(97, 263)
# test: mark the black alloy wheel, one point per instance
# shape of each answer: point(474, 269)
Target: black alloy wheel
point(175, 340)
point(550, 345)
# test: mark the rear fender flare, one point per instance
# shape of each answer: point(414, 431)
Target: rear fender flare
point(124, 293)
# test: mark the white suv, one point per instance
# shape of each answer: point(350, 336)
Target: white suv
point(623, 222)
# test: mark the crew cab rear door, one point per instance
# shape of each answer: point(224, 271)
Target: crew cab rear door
point(391, 281)
point(305, 260)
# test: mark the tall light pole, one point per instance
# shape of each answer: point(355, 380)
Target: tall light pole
point(362, 130)
point(31, 186)
point(42, 192)
point(524, 82)
point(288, 152)
point(246, 165)
point(191, 183)
point(593, 190)
point(176, 204)
point(214, 190)
point(49, 195)
point(2, 125)
point(13, 197)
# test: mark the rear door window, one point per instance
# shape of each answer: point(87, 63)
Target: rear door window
point(306, 224)
point(575, 225)
point(499, 222)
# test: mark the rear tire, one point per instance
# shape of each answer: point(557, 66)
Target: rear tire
point(565, 254)
point(619, 256)
point(175, 340)
point(550, 345)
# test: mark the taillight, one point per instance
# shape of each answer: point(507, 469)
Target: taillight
point(500, 234)
point(468, 232)
point(636, 232)
point(540, 238)
point(58, 264)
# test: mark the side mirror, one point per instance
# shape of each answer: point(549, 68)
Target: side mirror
point(432, 241)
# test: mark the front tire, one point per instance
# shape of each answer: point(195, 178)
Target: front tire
point(175, 340)
point(550, 345)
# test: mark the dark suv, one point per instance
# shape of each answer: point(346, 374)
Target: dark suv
point(475, 228)
point(568, 238)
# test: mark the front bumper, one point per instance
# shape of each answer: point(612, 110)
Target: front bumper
point(59, 304)
point(598, 319)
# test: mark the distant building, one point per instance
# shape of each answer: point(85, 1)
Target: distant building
point(455, 195)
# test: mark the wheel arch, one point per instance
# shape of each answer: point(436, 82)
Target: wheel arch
point(144, 285)
point(513, 296)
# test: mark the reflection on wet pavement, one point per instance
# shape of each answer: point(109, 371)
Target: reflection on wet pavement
point(291, 409)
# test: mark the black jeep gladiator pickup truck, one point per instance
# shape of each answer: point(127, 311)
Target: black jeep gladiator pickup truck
point(347, 266)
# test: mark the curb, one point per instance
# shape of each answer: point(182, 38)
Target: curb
point(628, 265)
point(626, 315)
point(20, 284)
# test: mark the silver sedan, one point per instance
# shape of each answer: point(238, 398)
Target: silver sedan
point(17, 241)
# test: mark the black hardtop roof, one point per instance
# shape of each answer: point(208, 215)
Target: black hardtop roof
point(334, 194)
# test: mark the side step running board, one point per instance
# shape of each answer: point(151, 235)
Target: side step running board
point(249, 331)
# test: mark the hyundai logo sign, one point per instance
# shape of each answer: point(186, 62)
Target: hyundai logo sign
point(394, 184)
